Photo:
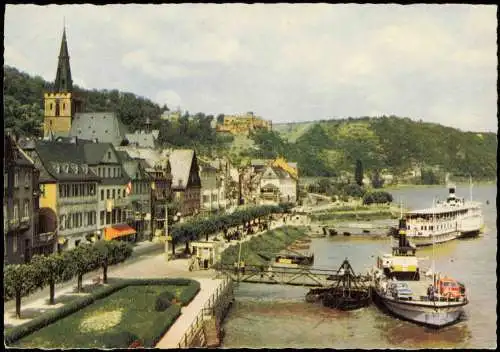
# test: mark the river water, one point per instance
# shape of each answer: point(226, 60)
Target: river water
point(277, 316)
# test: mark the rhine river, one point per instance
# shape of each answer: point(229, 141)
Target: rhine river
point(276, 316)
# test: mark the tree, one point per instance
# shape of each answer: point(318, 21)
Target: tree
point(358, 173)
point(20, 280)
point(377, 181)
point(84, 260)
point(53, 269)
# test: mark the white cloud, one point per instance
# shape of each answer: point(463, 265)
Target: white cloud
point(284, 61)
point(169, 97)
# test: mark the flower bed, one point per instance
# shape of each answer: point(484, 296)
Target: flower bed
point(115, 317)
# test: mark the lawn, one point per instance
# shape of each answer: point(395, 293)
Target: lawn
point(111, 321)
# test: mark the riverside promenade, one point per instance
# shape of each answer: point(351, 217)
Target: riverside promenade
point(148, 264)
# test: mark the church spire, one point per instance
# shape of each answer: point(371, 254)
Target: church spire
point(63, 82)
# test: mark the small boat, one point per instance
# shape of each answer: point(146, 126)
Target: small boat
point(399, 288)
point(293, 259)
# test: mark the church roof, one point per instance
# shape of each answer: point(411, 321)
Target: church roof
point(63, 82)
point(142, 139)
point(180, 163)
point(103, 126)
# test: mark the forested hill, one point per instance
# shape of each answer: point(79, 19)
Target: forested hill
point(23, 102)
point(325, 148)
point(23, 112)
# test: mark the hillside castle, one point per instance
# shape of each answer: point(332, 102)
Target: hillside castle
point(243, 124)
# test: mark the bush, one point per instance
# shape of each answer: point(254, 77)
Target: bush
point(117, 339)
point(354, 190)
point(162, 303)
point(377, 198)
point(164, 300)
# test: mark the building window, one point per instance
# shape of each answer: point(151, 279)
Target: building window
point(27, 179)
point(108, 218)
point(114, 172)
point(107, 194)
point(77, 190)
point(114, 194)
point(123, 193)
point(14, 244)
point(102, 194)
point(77, 242)
point(26, 208)
point(109, 171)
point(101, 215)
point(16, 179)
point(109, 155)
point(16, 212)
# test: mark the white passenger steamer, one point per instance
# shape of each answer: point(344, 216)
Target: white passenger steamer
point(453, 218)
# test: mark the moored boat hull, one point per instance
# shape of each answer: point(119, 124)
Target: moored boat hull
point(436, 316)
point(422, 241)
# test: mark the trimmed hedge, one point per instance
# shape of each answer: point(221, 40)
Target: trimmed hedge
point(17, 332)
point(117, 339)
point(162, 323)
point(189, 293)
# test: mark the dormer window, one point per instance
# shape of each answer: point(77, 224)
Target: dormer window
point(57, 167)
point(66, 167)
point(74, 168)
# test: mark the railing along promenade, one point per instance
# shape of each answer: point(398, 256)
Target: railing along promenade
point(210, 309)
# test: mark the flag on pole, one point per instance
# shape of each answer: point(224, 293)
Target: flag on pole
point(128, 189)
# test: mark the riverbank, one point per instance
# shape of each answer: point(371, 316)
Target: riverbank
point(268, 243)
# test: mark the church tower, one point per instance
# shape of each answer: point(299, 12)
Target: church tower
point(58, 104)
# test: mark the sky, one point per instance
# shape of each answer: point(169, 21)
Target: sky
point(284, 62)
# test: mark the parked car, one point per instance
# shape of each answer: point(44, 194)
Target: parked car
point(400, 290)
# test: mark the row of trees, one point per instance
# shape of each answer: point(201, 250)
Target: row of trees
point(23, 279)
point(199, 228)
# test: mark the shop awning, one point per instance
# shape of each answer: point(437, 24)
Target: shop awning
point(118, 231)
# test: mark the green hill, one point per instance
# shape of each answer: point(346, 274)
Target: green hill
point(393, 144)
point(292, 131)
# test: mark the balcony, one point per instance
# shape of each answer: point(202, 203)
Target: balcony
point(77, 200)
point(13, 224)
point(121, 202)
point(46, 237)
point(25, 222)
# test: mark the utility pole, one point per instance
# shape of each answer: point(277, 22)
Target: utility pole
point(167, 241)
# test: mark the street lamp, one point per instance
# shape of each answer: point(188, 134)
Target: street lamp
point(168, 239)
